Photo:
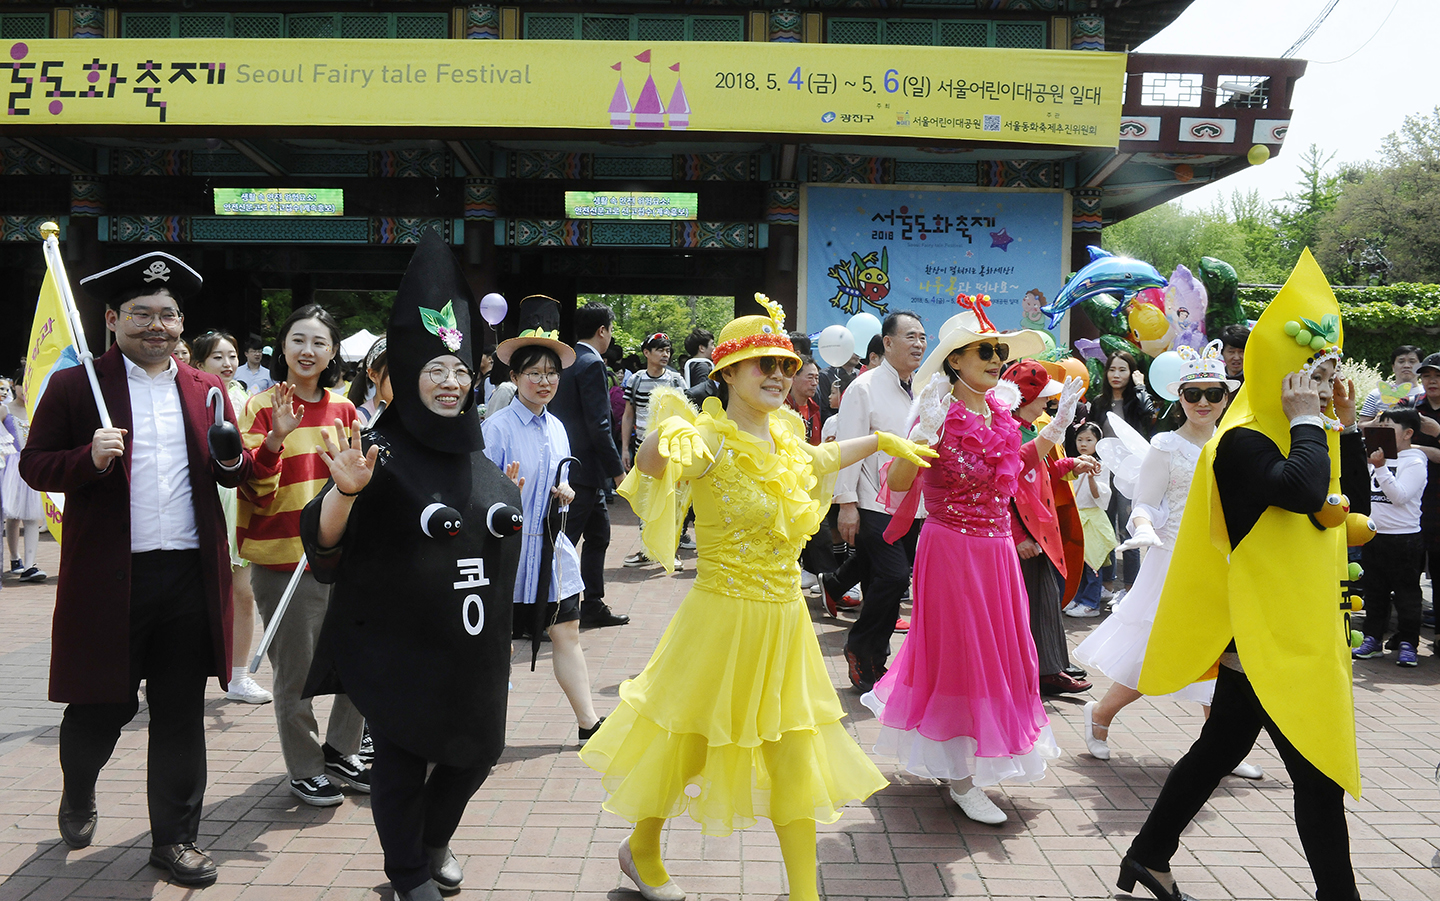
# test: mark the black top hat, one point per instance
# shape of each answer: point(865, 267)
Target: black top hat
point(539, 325)
point(431, 318)
point(146, 274)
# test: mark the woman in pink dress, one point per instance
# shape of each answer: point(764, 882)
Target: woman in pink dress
point(961, 701)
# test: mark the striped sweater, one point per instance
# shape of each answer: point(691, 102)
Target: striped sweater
point(268, 525)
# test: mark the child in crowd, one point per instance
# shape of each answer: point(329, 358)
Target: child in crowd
point(21, 503)
point(1393, 558)
point(1092, 500)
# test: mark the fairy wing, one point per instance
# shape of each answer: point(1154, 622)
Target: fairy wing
point(1123, 454)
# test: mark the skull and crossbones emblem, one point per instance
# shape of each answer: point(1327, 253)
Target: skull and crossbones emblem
point(157, 270)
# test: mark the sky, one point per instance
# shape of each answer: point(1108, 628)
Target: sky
point(1353, 93)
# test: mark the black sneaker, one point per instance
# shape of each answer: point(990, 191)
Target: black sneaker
point(585, 734)
point(347, 768)
point(317, 791)
point(33, 574)
point(367, 748)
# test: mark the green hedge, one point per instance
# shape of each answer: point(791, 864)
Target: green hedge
point(1377, 320)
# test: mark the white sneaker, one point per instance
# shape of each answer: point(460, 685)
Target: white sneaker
point(1248, 770)
point(248, 690)
point(1097, 747)
point(1106, 594)
point(1116, 599)
point(687, 543)
point(977, 805)
point(808, 580)
point(1079, 610)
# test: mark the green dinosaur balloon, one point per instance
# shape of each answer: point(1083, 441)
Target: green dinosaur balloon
point(1101, 310)
point(1224, 302)
point(1112, 344)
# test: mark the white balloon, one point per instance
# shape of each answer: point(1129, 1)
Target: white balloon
point(493, 308)
point(863, 326)
point(836, 345)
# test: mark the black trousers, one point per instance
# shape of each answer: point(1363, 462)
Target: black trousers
point(1236, 718)
point(413, 813)
point(1392, 566)
point(589, 519)
point(170, 648)
point(884, 581)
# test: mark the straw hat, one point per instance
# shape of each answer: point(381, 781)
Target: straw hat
point(971, 325)
point(753, 336)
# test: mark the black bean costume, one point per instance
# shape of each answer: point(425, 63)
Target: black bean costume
point(418, 630)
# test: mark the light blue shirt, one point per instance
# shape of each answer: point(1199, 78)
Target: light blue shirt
point(537, 442)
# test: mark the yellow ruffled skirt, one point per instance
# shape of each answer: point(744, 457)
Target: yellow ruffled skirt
point(734, 718)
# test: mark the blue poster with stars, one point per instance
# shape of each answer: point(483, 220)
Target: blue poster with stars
point(876, 249)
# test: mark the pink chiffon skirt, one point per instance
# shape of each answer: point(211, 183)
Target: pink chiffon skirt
point(962, 697)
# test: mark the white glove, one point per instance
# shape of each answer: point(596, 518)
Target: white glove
point(933, 404)
point(1143, 535)
point(1069, 397)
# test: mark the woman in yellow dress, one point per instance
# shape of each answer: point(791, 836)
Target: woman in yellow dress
point(734, 717)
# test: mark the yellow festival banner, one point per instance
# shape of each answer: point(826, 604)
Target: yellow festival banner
point(50, 350)
point(960, 93)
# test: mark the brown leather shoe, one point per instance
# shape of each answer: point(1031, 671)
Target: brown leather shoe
point(77, 827)
point(188, 865)
point(1062, 683)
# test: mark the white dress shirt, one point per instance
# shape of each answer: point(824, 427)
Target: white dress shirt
point(162, 513)
point(875, 401)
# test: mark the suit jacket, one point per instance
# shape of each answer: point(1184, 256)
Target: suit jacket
point(582, 403)
point(90, 647)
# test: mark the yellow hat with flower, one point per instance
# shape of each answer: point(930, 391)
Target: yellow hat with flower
point(753, 336)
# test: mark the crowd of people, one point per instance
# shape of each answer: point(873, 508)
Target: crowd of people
point(966, 474)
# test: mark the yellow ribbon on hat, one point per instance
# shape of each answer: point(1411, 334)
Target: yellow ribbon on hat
point(1276, 593)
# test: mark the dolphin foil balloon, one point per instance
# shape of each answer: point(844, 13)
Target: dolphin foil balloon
point(1104, 274)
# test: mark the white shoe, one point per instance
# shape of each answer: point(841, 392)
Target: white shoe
point(977, 805)
point(1248, 770)
point(667, 892)
point(248, 690)
point(1106, 594)
point(1116, 599)
point(808, 580)
point(687, 543)
point(1096, 746)
point(1079, 610)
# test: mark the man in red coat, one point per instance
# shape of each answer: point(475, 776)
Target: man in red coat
point(144, 587)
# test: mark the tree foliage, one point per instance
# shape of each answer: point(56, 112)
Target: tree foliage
point(638, 316)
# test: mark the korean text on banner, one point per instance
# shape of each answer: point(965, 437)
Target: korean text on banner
point(51, 349)
point(961, 93)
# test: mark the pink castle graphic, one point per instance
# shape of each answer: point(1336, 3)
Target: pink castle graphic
point(647, 111)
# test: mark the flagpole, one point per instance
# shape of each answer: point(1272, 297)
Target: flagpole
point(50, 232)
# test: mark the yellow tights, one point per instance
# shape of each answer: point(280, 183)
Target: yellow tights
point(797, 847)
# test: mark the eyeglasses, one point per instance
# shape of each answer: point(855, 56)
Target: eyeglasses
point(1193, 395)
point(537, 377)
point(788, 365)
point(442, 374)
point(144, 318)
point(992, 351)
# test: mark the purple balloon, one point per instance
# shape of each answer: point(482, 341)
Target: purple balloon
point(493, 308)
point(1088, 347)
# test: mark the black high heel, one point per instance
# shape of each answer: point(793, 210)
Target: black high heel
point(1132, 872)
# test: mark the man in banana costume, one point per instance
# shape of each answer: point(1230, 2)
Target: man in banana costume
point(1260, 592)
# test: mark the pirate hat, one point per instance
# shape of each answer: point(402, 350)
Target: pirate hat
point(147, 273)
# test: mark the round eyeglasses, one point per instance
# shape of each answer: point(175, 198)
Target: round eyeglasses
point(442, 374)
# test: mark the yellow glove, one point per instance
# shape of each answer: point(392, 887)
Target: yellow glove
point(677, 439)
point(899, 447)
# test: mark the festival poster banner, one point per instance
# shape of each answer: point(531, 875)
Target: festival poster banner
point(961, 93)
point(876, 249)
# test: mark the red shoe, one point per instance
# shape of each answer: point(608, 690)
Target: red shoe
point(831, 593)
point(902, 625)
point(850, 602)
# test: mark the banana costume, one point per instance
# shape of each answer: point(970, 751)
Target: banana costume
point(1277, 592)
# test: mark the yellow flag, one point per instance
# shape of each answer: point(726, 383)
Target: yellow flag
point(51, 349)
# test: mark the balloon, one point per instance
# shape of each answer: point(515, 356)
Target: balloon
point(493, 308)
point(1049, 341)
point(1077, 369)
point(1155, 297)
point(863, 327)
point(836, 345)
point(1186, 301)
point(1104, 274)
point(1164, 369)
point(1258, 154)
point(1089, 347)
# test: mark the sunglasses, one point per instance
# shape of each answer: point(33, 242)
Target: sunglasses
point(1193, 395)
point(991, 351)
point(788, 365)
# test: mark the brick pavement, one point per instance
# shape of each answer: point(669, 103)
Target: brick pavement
point(535, 831)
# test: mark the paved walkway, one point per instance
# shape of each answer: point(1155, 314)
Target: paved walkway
point(536, 831)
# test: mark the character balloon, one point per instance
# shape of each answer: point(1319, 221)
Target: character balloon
point(1185, 304)
point(836, 345)
point(493, 308)
point(1104, 274)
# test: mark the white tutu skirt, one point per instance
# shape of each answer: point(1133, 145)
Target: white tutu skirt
point(20, 500)
point(1117, 646)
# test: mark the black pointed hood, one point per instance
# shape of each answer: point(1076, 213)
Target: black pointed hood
point(432, 317)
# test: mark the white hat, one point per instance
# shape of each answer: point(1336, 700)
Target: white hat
point(1203, 366)
point(971, 325)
